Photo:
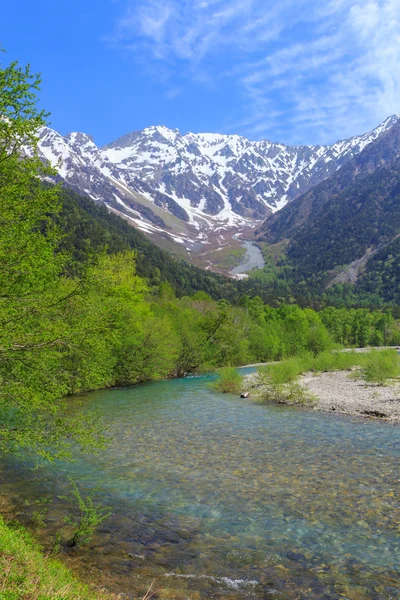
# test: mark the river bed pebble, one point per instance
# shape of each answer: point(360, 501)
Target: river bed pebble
point(344, 393)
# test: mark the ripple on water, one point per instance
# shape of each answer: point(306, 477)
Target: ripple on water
point(215, 496)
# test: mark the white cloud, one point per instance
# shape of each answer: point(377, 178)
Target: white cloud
point(307, 71)
point(191, 30)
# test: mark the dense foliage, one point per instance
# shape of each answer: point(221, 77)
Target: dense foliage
point(382, 275)
point(87, 302)
point(381, 366)
point(365, 215)
point(34, 298)
point(229, 380)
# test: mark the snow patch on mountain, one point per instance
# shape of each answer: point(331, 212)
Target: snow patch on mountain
point(209, 181)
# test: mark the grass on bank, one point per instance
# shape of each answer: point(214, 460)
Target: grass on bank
point(291, 393)
point(381, 366)
point(26, 573)
point(374, 366)
point(370, 365)
point(278, 382)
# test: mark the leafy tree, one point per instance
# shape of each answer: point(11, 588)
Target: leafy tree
point(33, 294)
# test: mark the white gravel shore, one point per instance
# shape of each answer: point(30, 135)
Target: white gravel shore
point(339, 392)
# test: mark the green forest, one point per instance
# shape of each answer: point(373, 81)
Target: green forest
point(88, 229)
point(87, 302)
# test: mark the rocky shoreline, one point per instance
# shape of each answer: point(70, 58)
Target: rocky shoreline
point(340, 393)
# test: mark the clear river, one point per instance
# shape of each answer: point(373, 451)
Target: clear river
point(214, 496)
point(253, 259)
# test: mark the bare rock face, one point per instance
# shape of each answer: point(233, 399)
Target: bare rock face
point(207, 181)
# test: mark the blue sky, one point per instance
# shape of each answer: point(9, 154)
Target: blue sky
point(296, 71)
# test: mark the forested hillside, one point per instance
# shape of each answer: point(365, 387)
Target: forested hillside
point(352, 216)
point(365, 216)
point(89, 228)
point(383, 273)
point(88, 302)
point(309, 207)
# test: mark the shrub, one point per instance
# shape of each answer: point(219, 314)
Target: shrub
point(307, 361)
point(282, 372)
point(326, 361)
point(334, 361)
point(291, 393)
point(229, 381)
point(349, 360)
point(38, 516)
point(279, 382)
point(90, 516)
point(381, 366)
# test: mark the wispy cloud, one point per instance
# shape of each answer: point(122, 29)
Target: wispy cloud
point(305, 71)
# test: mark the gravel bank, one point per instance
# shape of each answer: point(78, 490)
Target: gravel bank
point(338, 393)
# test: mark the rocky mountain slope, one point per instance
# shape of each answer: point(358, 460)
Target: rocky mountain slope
point(90, 229)
point(348, 225)
point(308, 207)
point(191, 187)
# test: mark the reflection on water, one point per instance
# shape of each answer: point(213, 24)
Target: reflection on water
point(217, 497)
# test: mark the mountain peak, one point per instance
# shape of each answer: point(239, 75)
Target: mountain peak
point(212, 181)
point(161, 131)
point(387, 123)
point(76, 137)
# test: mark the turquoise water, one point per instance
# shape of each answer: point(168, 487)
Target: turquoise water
point(215, 496)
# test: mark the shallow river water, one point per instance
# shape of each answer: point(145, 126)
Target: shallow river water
point(253, 259)
point(217, 497)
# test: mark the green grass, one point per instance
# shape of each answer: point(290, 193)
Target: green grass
point(229, 381)
point(291, 393)
point(27, 574)
point(381, 366)
point(285, 371)
point(280, 384)
point(228, 258)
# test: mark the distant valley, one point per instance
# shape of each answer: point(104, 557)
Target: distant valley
point(198, 195)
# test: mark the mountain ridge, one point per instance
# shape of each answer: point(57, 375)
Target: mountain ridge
point(346, 229)
point(309, 206)
point(195, 187)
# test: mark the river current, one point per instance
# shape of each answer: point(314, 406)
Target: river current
point(218, 497)
point(253, 259)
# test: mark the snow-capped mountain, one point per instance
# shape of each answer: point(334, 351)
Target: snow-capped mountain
point(208, 182)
